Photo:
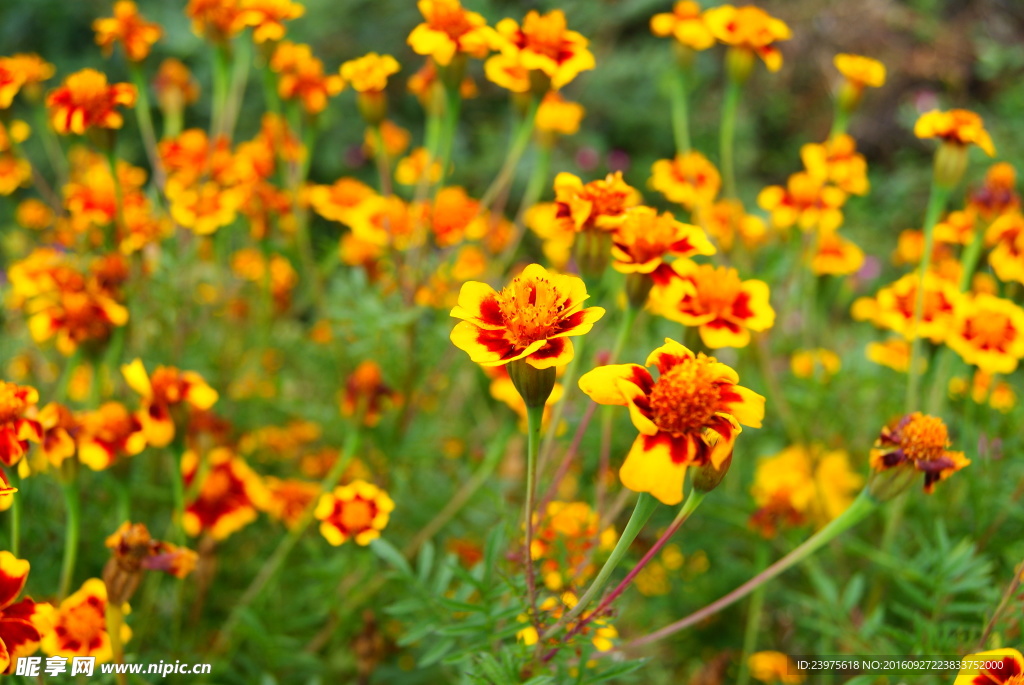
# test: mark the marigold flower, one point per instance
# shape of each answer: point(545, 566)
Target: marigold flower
point(556, 115)
point(388, 222)
point(301, 77)
point(267, 17)
point(86, 101)
point(16, 429)
point(287, 500)
point(412, 169)
point(726, 220)
point(34, 214)
point(448, 29)
point(23, 623)
point(59, 425)
point(896, 305)
point(690, 416)
point(600, 632)
point(774, 667)
point(228, 497)
point(916, 442)
point(250, 264)
point(834, 255)
point(689, 179)
point(76, 311)
point(133, 550)
point(749, 29)
point(956, 229)
point(365, 394)
point(396, 139)
point(562, 541)
point(454, 216)
point(958, 127)
point(988, 332)
point(999, 395)
point(1006, 237)
point(714, 298)
point(507, 71)
point(22, 71)
point(598, 205)
point(895, 354)
point(998, 195)
point(174, 86)
point(556, 236)
point(358, 511)
point(204, 208)
point(427, 88)
point(15, 171)
point(336, 202)
point(530, 319)
point(644, 239)
point(217, 20)
point(686, 24)
point(166, 389)
point(369, 73)
point(995, 667)
point(544, 44)
point(129, 27)
point(80, 625)
point(108, 433)
point(805, 363)
point(806, 201)
point(837, 161)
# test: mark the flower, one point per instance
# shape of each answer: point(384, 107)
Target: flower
point(894, 353)
point(834, 255)
point(128, 27)
point(107, 433)
point(228, 497)
point(598, 205)
point(981, 668)
point(998, 195)
point(21, 623)
point(837, 161)
point(916, 442)
point(956, 229)
point(774, 667)
point(959, 127)
point(896, 304)
point(684, 23)
point(86, 101)
point(448, 30)
point(689, 179)
point(301, 77)
point(988, 331)
point(556, 115)
point(804, 363)
point(267, 17)
point(645, 239)
point(714, 298)
point(80, 625)
point(690, 416)
point(749, 29)
point(726, 219)
point(601, 632)
point(417, 167)
point(1006, 234)
point(76, 310)
point(396, 139)
point(530, 319)
point(366, 394)
point(562, 541)
point(859, 72)
point(999, 395)
point(369, 73)
point(455, 216)
point(22, 71)
point(218, 20)
point(133, 550)
point(288, 499)
point(166, 389)
point(16, 429)
point(544, 44)
point(59, 425)
point(174, 86)
point(338, 201)
point(806, 200)
point(358, 511)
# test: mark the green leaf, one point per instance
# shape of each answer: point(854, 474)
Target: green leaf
point(389, 554)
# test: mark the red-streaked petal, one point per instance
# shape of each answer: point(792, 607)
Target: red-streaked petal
point(557, 352)
point(657, 465)
point(668, 355)
point(610, 384)
point(13, 574)
point(743, 404)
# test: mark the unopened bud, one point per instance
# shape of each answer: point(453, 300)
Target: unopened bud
point(534, 385)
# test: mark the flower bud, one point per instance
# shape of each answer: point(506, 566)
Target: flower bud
point(534, 385)
point(373, 105)
point(950, 164)
point(593, 252)
point(739, 64)
point(707, 477)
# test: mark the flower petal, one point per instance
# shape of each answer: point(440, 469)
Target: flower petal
point(668, 355)
point(609, 384)
point(657, 465)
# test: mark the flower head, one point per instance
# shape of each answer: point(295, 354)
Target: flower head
point(598, 205)
point(267, 17)
point(22, 623)
point(544, 45)
point(916, 442)
point(834, 255)
point(689, 179)
point(995, 667)
point(128, 27)
point(556, 115)
point(749, 29)
point(563, 540)
point(108, 433)
point(24, 71)
point(774, 667)
point(727, 220)
point(217, 20)
point(133, 550)
point(448, 29)
point(896, 304)
point(174, 86)
point(686, 24)
point(531, 319)
point(600, 632)
point(357, 511)
point(80, 625)
point(645, 239)
point(301, 77)
point(365, 394)
point(87, 101)
point(859, 72)
point(16, 429)
point(690, 415)
point(998, 195)
point(1006, 237)
point(228, 497)
point(958, 127)
point(288, 499)
point(369, 73)
point(988, 331)
point(165, 390)
point(806, 201)
point(837, 161)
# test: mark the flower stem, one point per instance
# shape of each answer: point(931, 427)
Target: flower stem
point(72, 525)
point(534, 419)
point(753, 620)
point(221, 78)
point(112, 236)
point(727, 136)
point(115, 621)
point(383, 163)
point(450, 123)
point(645, 506)
point(144, 114)
point(680, 111)
point(520, 141)
point(936, 204)
point(177, 488)
point(858, 509)
point(840, 122)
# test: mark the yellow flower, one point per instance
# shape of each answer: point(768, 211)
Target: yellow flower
point(714, 298)
point(24, 71)
point(805, 363)
point(563, 540)
point(998, 195)
point(806, 200)
point(999, 394)
point(448, 29)
point(216, 19)
point(412, 169)
point(689, 179)
point(558, 115)
point(988, 332)
point(860, 71)
point(749, 29)
point(918, 442)
point(531, 319)
point(600, 204)
point(85, 101)
point(79, 625)
point(684, 23)
point(837, 161)
point(357, 511)
point(557, 238)
point(959, 127)
point(166, 388)
point(22, 623)
point(956, 229)
point(600, 631)
point(894, 353)
point(369, 73)
point(835, 255)
point(726, 219)
point(396, 139)
point(774, 667)
point(690, 415)
point(16, 428)
point(645, 239)
point(267, 17)
point(544, 44)
point(1006, 234)
point(896, 306)
point(128, 27)
point(302, 78)
point(982, 668)
point(107, 433)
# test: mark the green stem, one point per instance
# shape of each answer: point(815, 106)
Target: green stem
point(727, 137)
point(144, 115)
point(856, 512)
point(680, 110)
point(112, 236)
point(242, 61)
point(936, 204)
point(51, 144)
point(840, 122)
point(645, 506)
point(383, 163)
point(221, 79)
point(520, 141)
point(753, 620)
point(178, 488)
point(534, 420)
point(453, 105)
point(72, 525)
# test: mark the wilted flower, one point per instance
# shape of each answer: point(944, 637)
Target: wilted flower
point(80, 625)
point(690, 416)
point(133, 550)
point(358, 511)
point(916, 442)
point(85, 101)
point(127, 26)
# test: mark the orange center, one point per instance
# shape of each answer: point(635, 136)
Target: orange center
point(992, 330)
point(451, 18)
point(647, 235)
point(356, 515)
point(531, 310)
point(717, 288)
point(86, 621)
point(924, 438)
point(686, 397)
point(545, 35)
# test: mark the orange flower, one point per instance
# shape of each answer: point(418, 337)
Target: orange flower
point(396, 139)
point(894, 353)
point(689, 179)
point(958, 127)
point(726, 219)
point(166, 389)
point(988, 331)
point(16, 430)
point(301, 77)
point(455, 216)
point(835, 255)
point(128, 27)
point(998, 195)
point(1006, 234)
point(714, 298)
point(267, 17)
point(22, 71)
point(357, 511)
point(896, 305)
point(556, 115)
point(644, 240)
point(228, 496)
point(287, 500)
point(80, 625)
point(806, 200)
point(598, 205)
point(86, 101)
point(15, 171)
point(448, 30)
point(917, 441)
point(995, 667)
point(749, 29)
point(956, 229)
point(544, 44)
point(562, 541)
point(34, 214)
point(531, 319)
point(860, 71)
point(365, 394)
point(412, 169)
point(369, 73)
point(337, 202)
point(174, 86)
point(837, 161)
point(23, 623)
point(217, 20)
point(108, 433)
point(76, 311)
point(690, 416)
point(59, 425)
point(685, 24)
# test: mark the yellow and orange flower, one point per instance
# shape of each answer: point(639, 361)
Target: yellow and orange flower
point(369, 73)
point(80, 625)
point(834, 255)
point(994, 667)
point(454, 216)
point(76, 311)
point(598, 205)
point(59, 426)
point(217, 20)
point(16, 429)
point(544, 44)
point(600, 632)
point(727, 220)
point(267, 18)
point(774, 667)
point(557, 116)
point(337, 202)
point(749, 29)
point(860, 71)
point(107, 434)
point(895, 354)
point(689, 179)
point(174, 86)
point(22, 624)
point(998, 195)
point(167, 389)
point(645, 239)
point(15, 170)
point(983, 387)
point(917, 442)
point(958, 127)
point(396, 139)
point(366, 395)
point(449, 30)
point(714, 298)
point(1006, 237)
point(532, 318)
point(416, 168)
point(87, 101)
point(805, 201)
point(562, 542)
point(957, 228)
point(817, 362)
point(896, 304)
point(24, 71)
point(301, 77)
point(988, 332)
point(288, 499)
point(690, 415)
point(686, 24)
point(357, 511)
point(227, 499)
point(129, 27)
point(837, 161)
